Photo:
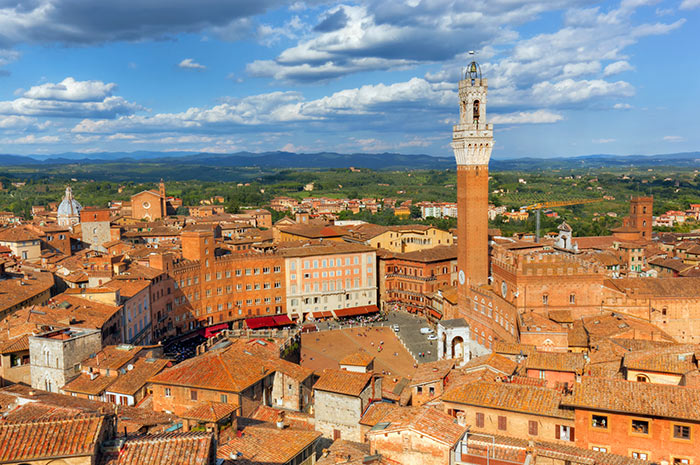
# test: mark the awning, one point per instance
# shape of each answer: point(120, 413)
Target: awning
point(435, 314)
point(354, 311)
point(260, 322)
point(318, 315)
point(268, 321)
point(211, 330)
point(281, 320)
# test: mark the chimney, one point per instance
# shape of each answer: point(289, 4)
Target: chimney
point(280, 420)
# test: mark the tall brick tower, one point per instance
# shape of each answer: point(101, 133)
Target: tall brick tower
point(641, 215)
point(472, 141)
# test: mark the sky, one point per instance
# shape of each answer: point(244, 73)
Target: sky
point(566, 77)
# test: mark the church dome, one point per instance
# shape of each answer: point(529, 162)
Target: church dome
point(69, 207)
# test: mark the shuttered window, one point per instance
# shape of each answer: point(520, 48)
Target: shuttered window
point(502, 423)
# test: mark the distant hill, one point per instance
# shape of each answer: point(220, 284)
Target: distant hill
point(329, 160)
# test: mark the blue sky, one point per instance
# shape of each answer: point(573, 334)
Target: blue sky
point(566, 77)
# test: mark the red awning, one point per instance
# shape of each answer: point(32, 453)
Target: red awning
point(268, 321)
point(354, 311)
point(435, 314)
point(281, 320)
point(261, 322)
point(211, 330)
point(322, 315)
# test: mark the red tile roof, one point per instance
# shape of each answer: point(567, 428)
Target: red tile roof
point(511, 397)
point(426, 421)
point(556, 361)
point(192, 448)
point(37, 440)
point(267, 444)
point(649, 399)
point(343, 382)
point(359, 358)
point(221, 370)
point(210, 412)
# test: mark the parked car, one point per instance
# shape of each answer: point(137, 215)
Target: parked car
point(426, 330)
point(395, 328)
point(432, 337)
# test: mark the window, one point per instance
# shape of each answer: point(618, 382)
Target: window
point(193, 395)
point(572, 298)
point(431, 391)
point(679, 461)
point(545, 299)
point(599, 421)
point(502, 423)
point(419, 389)
point(599, 449)
point(532, 428)
point(563, 432)
point(640, 455)
point(167, 392)
point(224, 398)
point(681, 432)
point(642, 379)
point(479, 420)
point(640, 426)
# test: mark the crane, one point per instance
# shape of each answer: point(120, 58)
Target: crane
point(537, 207)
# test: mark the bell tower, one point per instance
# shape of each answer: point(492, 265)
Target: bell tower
point(472, 141)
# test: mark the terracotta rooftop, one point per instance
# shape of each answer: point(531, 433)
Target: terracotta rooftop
point(511, 449)
point(494, 361)
point(37, 440)
point(630, 397)
point(112, 357)
point(66, 310)
point(433, 254)
point(133, 380)
point(19, 288)
point(222, 369)
point(352, 453)
point(510, 397)
point(128, 288)
point(267, 444)
point(343, 382)
point(512, 348)
point(295, 420)
point(83, 384)
point(556, 361)
point(18, 234)
point(192, 448)
point(297, 249)
point(426, 421)
point(376, 412)
point(657, 287)
point(677, 360)
point(358, 359)
point(621, 326)
point(210, 412)
point(432, 371)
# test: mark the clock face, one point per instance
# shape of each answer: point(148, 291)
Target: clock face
point(461, 277)
point(504, 289)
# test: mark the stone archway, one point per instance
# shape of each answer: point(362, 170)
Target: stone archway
point(457, 347)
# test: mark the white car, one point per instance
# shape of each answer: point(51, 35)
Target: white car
point(426, 330)
point(432, 337)
point(395, 328)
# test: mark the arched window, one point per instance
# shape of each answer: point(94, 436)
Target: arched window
point(475, 112)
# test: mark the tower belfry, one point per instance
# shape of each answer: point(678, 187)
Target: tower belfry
point(472, 142)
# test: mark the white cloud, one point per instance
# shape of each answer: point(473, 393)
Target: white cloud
point(603, 141)
point(189, 63)
point(71, 90)
point(570, 91)
point(32, 139)
point(524, 117)
point(15, 122)
point(617, 67)
point(689, 4)
point(69, 98)
point(622, 106)
point(674, 139)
